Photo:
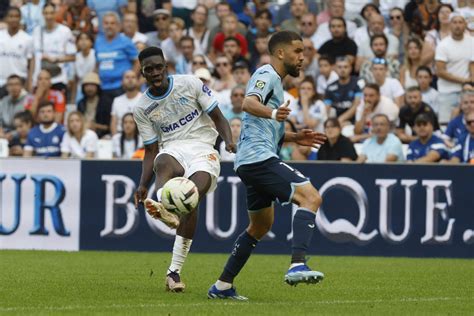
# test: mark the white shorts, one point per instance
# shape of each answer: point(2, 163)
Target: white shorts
point(193, 157)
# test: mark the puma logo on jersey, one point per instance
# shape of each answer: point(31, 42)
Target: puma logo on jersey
point(181, 122)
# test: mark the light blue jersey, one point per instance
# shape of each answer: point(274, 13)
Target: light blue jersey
point(261, 138)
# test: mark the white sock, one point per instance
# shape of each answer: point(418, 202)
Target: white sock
point(180, 251)
point(222, 286)
point(296, 264)
point(158, 195)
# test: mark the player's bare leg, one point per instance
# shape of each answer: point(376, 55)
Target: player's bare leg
point(166, 168)
point(304, 222)
point(184, 235)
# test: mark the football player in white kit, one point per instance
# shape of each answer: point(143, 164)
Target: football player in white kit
point(175, 119)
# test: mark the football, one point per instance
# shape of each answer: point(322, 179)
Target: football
point(180, 196)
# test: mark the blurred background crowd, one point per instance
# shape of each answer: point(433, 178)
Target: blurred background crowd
point(387, 80)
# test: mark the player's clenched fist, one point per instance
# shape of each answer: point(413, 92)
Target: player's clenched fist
point(140, 195)
point(231, 147)
point(281, 114)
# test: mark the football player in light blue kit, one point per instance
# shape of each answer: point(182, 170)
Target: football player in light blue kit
point(266, 177)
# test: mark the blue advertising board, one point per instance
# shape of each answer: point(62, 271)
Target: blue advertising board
point(368, 209)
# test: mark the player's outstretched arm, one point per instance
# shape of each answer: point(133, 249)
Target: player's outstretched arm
point(223, 128)
point(151, 151)
point(306, 137)
point(253, 106)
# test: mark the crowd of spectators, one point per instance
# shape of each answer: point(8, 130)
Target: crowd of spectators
point(385, 80)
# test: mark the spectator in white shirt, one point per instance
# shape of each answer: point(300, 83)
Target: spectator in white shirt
point(16, 51)
point(429, 95)
point(85, 62)
point(454, 65)
point(327, 75)
point(199, 31)
point(54, 43)
point(389, 87)
point(78, 141)
point(126, 102)
point(170, 46)
point(130, 29)
point(128, 141)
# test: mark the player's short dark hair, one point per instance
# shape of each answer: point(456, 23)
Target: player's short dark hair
point(232, 39)
point(373, 86)
point(376, 36)
point(413, 88)
point(24, 116)
point(150, 51)
point(424, 68)
point(282, 38)
point(44, 104)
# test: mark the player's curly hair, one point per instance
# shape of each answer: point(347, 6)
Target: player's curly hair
point(150, 51)
point(282, 38)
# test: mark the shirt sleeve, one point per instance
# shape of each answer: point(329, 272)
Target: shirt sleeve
point(65, 144)
point(92, 142)
point(457, 152)
point(145, 127)
point(441, 53)
point(410, 152)
point(204, 95)
point(261, 85)
point(70, 47)
point(440, 148)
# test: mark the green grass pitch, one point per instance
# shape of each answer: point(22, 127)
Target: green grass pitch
point(45, 283)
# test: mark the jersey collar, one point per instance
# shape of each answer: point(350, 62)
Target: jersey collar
point(170, 87)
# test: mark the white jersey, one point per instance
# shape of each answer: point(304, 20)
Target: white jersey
point(14, 54)
point(181, 114)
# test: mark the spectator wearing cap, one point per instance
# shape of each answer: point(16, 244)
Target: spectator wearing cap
point(365, 49)
point(130, 29)
point(115, 54)
point(170, 46)
point(344, 94)
point(162, 23)
point(429, 95)
point(241, 73)
point(229, 29)
point(16, 51)
point(427, 147)
point(371, 105)
point(464, 150)
point(378, 44)
point(414, 106)
point(199, 31)
point(297, 8)
point(44, 93)
point(144, 11)
point(102, 7)
point(184, 62)
point(263, 27)
point(337, 147)
point(382, 146)
point(95, 107)
point(340, 44)
point(389, 87)
point(323, 34)
point(454, 65)
point(44, 140)
point(457, 127)
point(236, 98)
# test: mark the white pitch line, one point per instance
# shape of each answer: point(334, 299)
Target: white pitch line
point(129, 306)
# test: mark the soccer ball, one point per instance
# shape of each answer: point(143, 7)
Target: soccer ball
point(180, 196)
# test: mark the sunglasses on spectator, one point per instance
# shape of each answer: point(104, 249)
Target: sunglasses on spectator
point(222, 64)
point(306, 23)
point(379, 61)
point(395, 17)
point(238, 95)
point(470, 122)
point(199, 62)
